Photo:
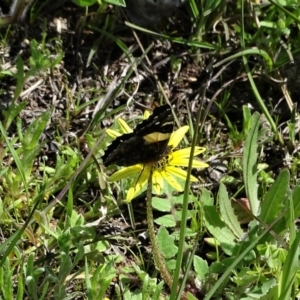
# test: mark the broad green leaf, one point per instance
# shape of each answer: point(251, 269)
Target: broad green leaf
point(227, 212)
point(261, 290)
point(273, 202)
point(216, 226)
point(84, 3)
point(190, 296)
point(201, 267)
point(166, 243)
point(160, 204)
point(249, 164)
point(166, 220)
point(206, 197)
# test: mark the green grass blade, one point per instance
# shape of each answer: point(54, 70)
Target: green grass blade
point(243, 53)
point(289, 271)
point(173, 39)
point(296, 201)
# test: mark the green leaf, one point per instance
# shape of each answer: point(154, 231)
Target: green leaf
point(160, 204)
point(206, 197)
point(246, 119)
point(31, 282)
point(190, 296)
point(20, 77)
point(79, 254)
point(273, 202)
point(145, 284)
point(66, 266)
point(227, 212)
point(20, 292)
point(6, 280)
point(289, 271)
point(249, 163)
point(296, 201)
point(16, 159)
point(166, 220)
point(84, 3)
point(64, 241)
point(34, 131)
point(216, 226)
point(31, 144)
point(12, 113)
point(1, 209)
point(116, 2)
point(201, 267)
point(102, 278)
point(158, 291)
point(259, 291)
point(166, 243)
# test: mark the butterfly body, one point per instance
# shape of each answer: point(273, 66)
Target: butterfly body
point(147, 143)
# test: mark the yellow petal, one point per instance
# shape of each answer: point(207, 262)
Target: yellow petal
point(124, 126)
point(177, 136)
point(185, 152)
point(146, 114)
point(158, 182)
point(172, 181)
point(125, 172)
point(180, 173)
point(198, 164)
point(138, 185)
point(184, 162)
point(156, 137)
point(112, 133)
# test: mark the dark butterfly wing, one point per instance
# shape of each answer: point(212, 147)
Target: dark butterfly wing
point(161, 120)
point(134, 150)
point(130, 149)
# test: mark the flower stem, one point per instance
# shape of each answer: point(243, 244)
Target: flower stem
point(157, 255)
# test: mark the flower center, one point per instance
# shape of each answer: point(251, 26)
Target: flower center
point(163, 162)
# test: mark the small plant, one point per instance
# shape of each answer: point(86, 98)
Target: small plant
point(154, 172)
point(39, 61)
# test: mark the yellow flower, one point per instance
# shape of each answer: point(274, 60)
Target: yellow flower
point(124, 128)
point(164, 169)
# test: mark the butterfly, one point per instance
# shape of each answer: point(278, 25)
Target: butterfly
point(146, 144)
